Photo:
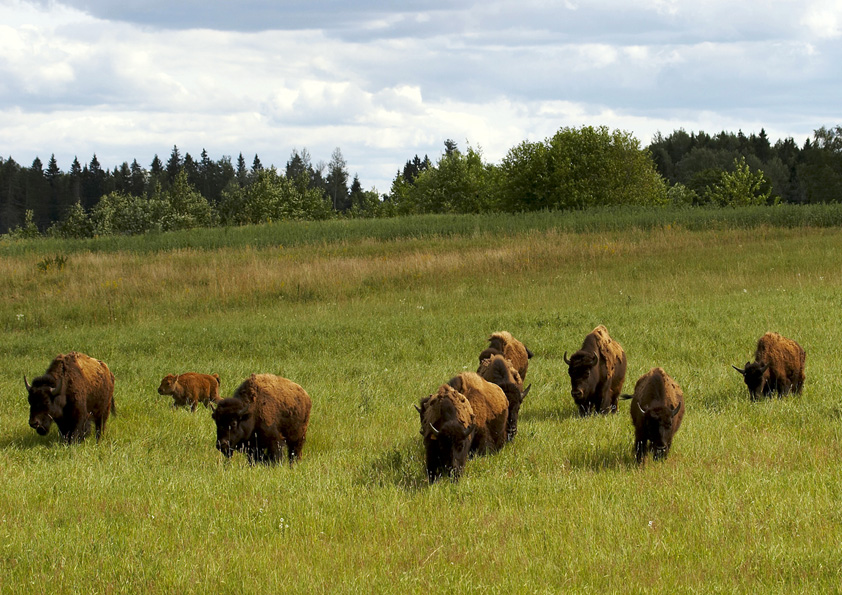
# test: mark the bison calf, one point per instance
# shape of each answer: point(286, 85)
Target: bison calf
point(597, 372)
point(657, 410)
point(74, 390)
point(500, 371)
point(265, 412)
point(778, 367)
point(447, 427)
point(191, 389)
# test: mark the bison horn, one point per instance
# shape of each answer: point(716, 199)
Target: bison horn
point(743, 372)
point(433, 427)
point(525, 392)
point(58, 387)
point(641, 408)
point(676, 410)
point(566, 360)
point(417, 408)
point(764, 368)
point(26, 384)
point(625, 397)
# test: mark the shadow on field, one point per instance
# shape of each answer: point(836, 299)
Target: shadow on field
point(556, 413)
point(600, 458)
point(401, 466)
point(29, 440)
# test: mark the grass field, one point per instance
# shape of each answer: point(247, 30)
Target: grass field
point(371, 316)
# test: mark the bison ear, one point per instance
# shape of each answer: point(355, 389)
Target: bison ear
point(676, 410)
point(743, 372)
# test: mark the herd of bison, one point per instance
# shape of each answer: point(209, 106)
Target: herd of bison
point(473, 413)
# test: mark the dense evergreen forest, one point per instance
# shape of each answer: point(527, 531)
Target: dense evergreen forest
point(576, 168)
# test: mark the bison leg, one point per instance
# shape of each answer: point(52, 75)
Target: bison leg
point(294, 449)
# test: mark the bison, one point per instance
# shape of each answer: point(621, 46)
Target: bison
point(503, 343)
point(476, 411)
point(778, 367)
point(447, 427)
point(500, 371)
point(597, 372)
point(191, 389)
point(264, 412)
point(74, 390)
point(656, 411)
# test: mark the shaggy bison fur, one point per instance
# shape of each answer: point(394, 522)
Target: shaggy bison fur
point(778, 367)
point(491, 411)
point(597, 372)
point(500, 371)
point(75, 390)
point(503, 343)
point(265, 412)
point(657, 410)
point(190, 389)
point(447, 427)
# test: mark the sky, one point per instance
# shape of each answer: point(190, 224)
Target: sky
point(384, 81)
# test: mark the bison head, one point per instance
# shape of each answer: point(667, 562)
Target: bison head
point(583, 376)
point(756, 379)
point(168, 384)
point(657, 423)
point(446, 448)
point(47, 399)
point(447, 440)
point(234, 425)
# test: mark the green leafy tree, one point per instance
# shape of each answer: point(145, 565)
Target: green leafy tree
point(740, 187)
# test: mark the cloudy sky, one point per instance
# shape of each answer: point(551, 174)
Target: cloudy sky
point(384, 81)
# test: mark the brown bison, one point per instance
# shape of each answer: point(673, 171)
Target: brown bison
point(503, 343)
point(74, 390)
point(657, 410)
point(447, 427)
point(477, 411)
point(191, 389)
point(500, 371)
point(597, 372)
point(265, 412)
point(778, 367)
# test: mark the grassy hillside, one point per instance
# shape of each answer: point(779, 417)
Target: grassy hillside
point(371, 316)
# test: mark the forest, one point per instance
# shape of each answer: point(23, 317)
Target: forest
point(576, 168)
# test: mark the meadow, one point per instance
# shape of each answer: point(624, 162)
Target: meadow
point(371, 316)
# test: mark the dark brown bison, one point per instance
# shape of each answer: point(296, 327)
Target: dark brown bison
point(778, 367)
point(657, 409)
point(597, 372)
point(447, 427)
point(74, 390)
point(500, 371)
point(190, 389)
point(503, 343)
point(265, 412)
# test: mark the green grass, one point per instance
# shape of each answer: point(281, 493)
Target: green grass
point(371, 316)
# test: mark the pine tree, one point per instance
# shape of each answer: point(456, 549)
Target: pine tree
point(337, 181)
point(174, 164)
point(242, 172)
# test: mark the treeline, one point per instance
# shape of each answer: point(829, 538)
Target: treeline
point(695, 162)
point(575, 168)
